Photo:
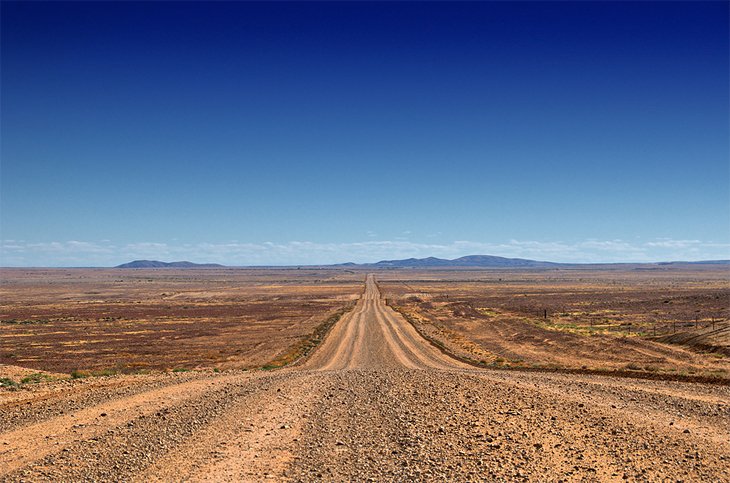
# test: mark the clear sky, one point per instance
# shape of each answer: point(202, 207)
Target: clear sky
point(254, 133)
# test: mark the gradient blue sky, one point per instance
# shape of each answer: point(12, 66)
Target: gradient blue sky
point(253, 133)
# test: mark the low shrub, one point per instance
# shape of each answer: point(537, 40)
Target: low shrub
point(35, 378)
point(7, 382)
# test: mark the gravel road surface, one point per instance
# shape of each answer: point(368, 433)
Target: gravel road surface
point(375, 402)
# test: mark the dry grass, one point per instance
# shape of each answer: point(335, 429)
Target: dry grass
point(580, 318)
point(108, 321)
point(307, 344)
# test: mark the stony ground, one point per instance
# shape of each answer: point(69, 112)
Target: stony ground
point(374, 403)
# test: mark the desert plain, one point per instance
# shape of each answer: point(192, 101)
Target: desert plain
point(335, 374)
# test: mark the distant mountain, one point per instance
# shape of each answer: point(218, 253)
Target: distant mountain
point(492, 261)
point(158, 264)
point(467, 261)
point(412, 262)
point(480, 261)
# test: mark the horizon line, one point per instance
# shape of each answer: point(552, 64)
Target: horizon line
point(374, 265)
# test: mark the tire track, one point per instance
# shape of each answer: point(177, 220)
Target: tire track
point(376, 401)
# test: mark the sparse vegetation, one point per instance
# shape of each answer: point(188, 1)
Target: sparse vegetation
point(263, 311)
point(305, 346)
point(25, 322)
point(400, 380)
point(602, 319)
point(7, 382)
point(35, 378)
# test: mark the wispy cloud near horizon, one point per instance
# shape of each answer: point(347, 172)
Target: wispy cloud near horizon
point(14, 253)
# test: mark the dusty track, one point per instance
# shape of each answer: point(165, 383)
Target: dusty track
point(374, 401)
point(373, 337)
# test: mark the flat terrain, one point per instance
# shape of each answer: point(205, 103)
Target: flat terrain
point(668, 320)
point(376, 402)
point(146, 319)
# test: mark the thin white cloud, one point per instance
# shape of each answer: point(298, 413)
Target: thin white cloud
point(105, 253)
point(667, 243)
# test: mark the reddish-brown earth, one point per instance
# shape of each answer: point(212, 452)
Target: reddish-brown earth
point(131, 320)
point(595, 319)
point(374, 402)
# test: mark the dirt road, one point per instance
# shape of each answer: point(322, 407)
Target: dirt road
point(376, 338)
point(373, 402)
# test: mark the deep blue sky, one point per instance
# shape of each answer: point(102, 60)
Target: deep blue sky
point(364, 130)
